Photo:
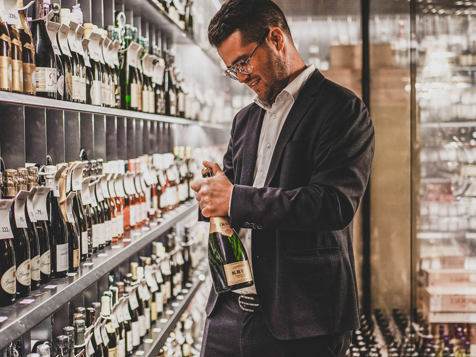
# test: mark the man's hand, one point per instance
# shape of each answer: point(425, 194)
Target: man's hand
point(213, 193)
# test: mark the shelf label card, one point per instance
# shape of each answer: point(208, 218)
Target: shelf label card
point(29, 204)
point(69, 207)
point(39, 203)
point(5, 228)
point(19, 209)
point(119, 186)
point(104, 188)
point(85, 193)
point(63, 40)
point(77, 177)
point(52, 28)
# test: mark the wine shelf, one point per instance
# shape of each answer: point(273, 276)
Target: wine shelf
point(33, 101)
point(26, 313)
point(161, 329)
point(448, 124)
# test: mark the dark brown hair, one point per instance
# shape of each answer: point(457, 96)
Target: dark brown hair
point(251, 17)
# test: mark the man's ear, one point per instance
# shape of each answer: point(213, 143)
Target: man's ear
point(276, 36)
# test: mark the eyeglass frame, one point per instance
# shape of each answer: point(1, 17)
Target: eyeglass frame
point(233, 70)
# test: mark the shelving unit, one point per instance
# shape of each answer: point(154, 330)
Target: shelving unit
point(25, 314)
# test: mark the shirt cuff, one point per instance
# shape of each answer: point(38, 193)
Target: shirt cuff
point(229, 205)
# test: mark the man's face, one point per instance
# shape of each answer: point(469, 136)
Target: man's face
point(269, 74)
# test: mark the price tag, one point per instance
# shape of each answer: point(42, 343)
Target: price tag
point(58, 174)
point(52, 29)
point(77, 177)
point(92, 196)
point(165, 266)
point(149, 278)
point(97, 335)
point(111, 188)
point(73, 44)
point(94, 46)
point(19, 209)
point(129, 184)
point(29, 205)
point(105, 50)
point(162, 179)
point(39, 203)
point(105, 337)
point(104, 189)
point(10, 12)
point(69, 207)
point(158, 276)
point(114, 320)
point(63, 40)
point(134, 304)
point(98, 190)
point(115, 53)
point(84, 44)
point(85, 194)
point(5, 228)
point(138, 183)
point(118, 313)
point(90, 348)
point(179, 258)
point(119, 186)
point(132, 54)
point(125, 311)
point(159, 70)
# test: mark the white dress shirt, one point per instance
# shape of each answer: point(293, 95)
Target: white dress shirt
point(273, 122)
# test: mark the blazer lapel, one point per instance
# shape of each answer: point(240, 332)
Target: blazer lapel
point(253, 130)
point(298, 110)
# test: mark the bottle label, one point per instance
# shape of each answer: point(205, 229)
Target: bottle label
point(96, 93)
point(39, 203)
point(135, 333)
point(28, 70)
point(45, 79)
point(8, 281)
point(159, 298)
point(147, 318)
point(35, 268)
point(142, 327)
point(82, 82)
point(61, 257)
point(238, 273)
point(5, 69)
point(220, 225)
point(17, 75)
point(84, 242)
point(75, 258)
point(134, 95)
point(5, 228)
point(95, 236)
point(68, 84)
point(19, 209)
point(111, 352)
point(129, 341)
point(45, 263)
point(133, 303)
point(24, 273)
point(60, 86)
point(63, 40)
point(153, 310)
point(69, 207)
point(52, 29)
point(121, 348)
point(104, 336)
point(75, 86)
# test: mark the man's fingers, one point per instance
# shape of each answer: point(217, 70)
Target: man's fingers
point(213, 165)
point(196, 184)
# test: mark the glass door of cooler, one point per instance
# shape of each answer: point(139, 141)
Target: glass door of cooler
point(444, 173)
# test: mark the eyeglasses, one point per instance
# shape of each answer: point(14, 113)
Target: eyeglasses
point(244, 66)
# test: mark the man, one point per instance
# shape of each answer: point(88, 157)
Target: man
point(296, 168)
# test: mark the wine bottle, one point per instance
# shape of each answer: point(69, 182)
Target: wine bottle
point(56, 224)
point(83, 221)
point(45, 76)
point(18, 223)
point(227, 256)
point(5, 57)
point(7, 253)
point(17, 59)
point(96, 67)
point(31, 230)
point(112, 333)
point(41, 215)
point(28, 51)
point(170, 87)
point(53, 27)
point(79, 342)
point(73, 233)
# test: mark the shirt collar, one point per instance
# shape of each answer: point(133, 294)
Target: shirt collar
point(293, 88)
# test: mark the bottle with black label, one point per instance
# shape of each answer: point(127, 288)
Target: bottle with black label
point(56, 224)
point(45, 76)
point(23, 184)
point(5, 57)
point(18, 224)
point(7, 254)
point(28, 51)
point(227, 256)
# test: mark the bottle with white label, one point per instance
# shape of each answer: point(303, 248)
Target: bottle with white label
point(31, 230)
point(56, 224)
point(7, 254)
point(41, 224)
point(45, 76)
point(20, 240)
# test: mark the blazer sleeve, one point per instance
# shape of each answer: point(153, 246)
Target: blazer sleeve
point(341, 159)
point(228, 157)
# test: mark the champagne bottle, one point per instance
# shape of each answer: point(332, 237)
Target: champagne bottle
point(7, 256)
point(56, 224)
point(5, 57)
point(28, 51)
point(111, 331)
point(79, 342)
point(53, 27)
point(45, 76)
point(21, 242)
point(227, 256)
point(17, 59)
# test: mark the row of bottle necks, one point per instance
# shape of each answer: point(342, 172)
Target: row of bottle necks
point(126, 313)
point(61, 59)
point(56, 217)
point(395, 335)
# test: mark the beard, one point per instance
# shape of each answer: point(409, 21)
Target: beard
point(278, 79)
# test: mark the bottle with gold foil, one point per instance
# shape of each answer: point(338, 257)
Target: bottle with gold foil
point(17, 59)
point(229, 265)
point(5, 57)
point(23, 184)
point(18, 224)
point(7, 260)
point(28, 51)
